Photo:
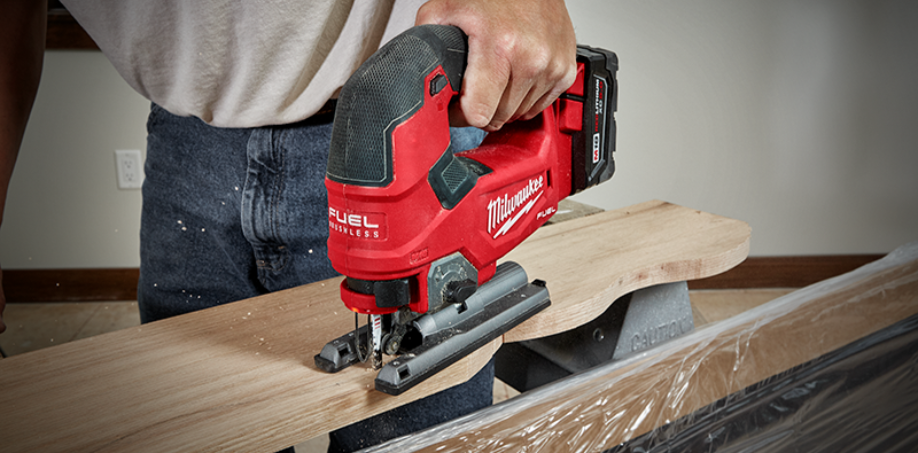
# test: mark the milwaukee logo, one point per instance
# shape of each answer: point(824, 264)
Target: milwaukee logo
point(357, 225)
point(510, 209)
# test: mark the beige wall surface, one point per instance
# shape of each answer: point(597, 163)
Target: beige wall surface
point(800, 118)
point(64, 208)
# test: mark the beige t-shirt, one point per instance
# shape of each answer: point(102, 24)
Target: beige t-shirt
point(241, 63)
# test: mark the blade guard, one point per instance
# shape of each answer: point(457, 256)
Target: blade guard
point(454, 332)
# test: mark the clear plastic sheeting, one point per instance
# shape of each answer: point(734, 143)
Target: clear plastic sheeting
point(861, 398)
point(830, 367)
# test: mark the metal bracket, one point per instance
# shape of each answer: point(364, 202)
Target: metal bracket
point(633, 323)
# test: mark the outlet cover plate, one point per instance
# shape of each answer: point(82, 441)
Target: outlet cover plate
point(129, 168)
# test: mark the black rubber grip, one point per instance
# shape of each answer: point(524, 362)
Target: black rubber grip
point(387, 89)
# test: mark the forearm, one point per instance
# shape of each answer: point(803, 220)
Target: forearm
point(22, 45)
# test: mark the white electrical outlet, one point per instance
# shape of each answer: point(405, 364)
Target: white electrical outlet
point(129, 167)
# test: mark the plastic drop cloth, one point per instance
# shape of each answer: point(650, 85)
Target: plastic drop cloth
point(831, 367)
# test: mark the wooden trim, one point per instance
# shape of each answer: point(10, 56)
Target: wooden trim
point(70, 285)
point(783, 271)
point(82, 285)
point(64, 33)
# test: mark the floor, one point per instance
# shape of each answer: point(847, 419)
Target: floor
point(34, 326)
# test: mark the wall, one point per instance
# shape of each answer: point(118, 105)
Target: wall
point(798, 117)
point(64, 208)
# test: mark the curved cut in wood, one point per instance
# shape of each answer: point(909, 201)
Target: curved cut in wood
point(241, 377)
point(590, 262)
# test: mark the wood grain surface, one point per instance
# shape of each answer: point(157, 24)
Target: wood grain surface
point(240, 377)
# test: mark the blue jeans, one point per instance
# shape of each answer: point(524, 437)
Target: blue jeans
point(230, 214)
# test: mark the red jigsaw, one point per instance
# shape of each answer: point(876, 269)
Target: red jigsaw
point(418, 229)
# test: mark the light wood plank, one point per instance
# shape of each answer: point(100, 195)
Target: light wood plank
point(241, 377)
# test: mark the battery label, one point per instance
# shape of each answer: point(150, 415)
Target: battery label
point(599, 118)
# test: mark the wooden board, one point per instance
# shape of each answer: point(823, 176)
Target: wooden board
point(590, 262)
point(240, 377)
point(601, 409)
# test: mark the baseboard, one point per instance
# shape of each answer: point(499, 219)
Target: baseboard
point(783, 271)
point(70, 285)
point(83, 285)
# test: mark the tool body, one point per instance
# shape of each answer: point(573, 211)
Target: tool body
point(417, 229)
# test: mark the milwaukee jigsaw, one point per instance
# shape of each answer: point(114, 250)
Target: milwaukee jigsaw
point(417, 229)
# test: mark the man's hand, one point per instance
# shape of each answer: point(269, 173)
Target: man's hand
point(522, 56)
